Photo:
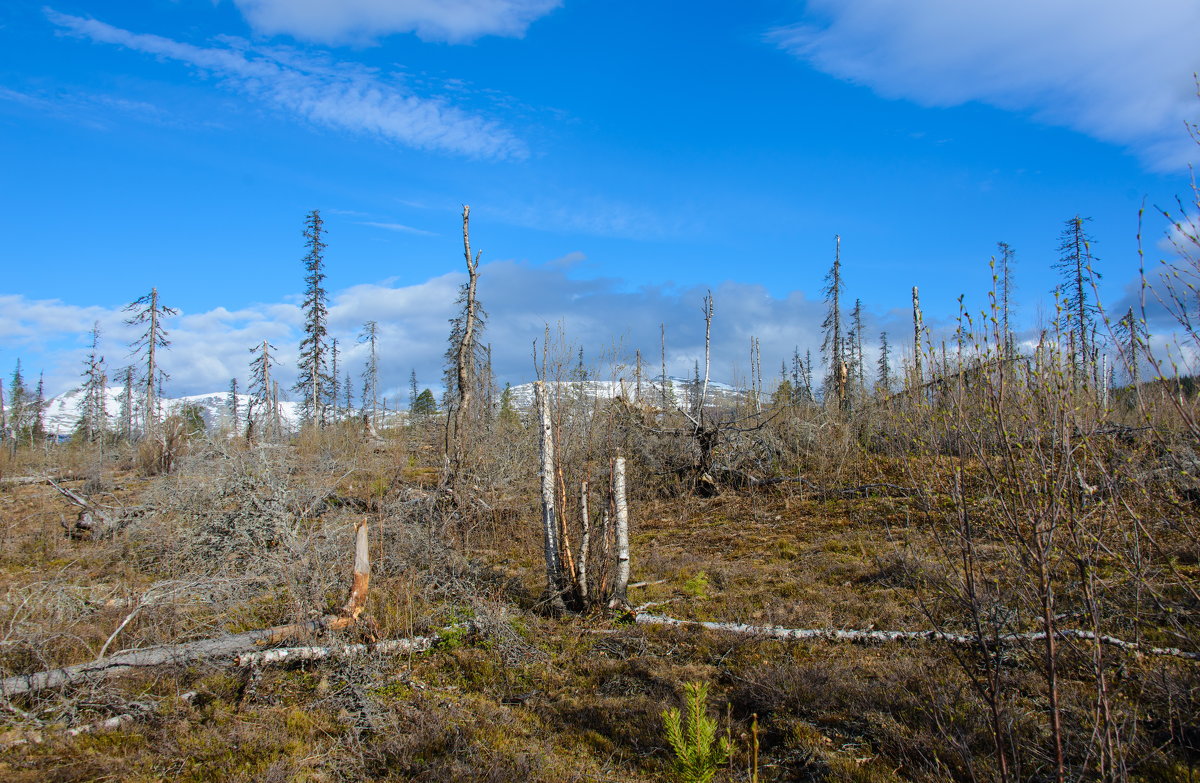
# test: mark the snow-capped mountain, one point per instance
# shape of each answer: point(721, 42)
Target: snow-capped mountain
point(63, 412)
point(651, 391)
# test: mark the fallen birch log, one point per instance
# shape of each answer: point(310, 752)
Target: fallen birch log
point(23, 480)
point(204, 649)
point(281, 655)
point(861, 637)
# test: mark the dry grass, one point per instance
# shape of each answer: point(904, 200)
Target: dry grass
point(241, 538)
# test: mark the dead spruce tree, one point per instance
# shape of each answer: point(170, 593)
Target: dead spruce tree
point(313, 383)
point(918, 376)
point(1078, 279)
point(834, 344)
point(148, 313)
point(262, 414)
point(463, 361)
point(232, 406)
point(127, 404)
point(369, 336)
point(1004, 282)
point(93, 418)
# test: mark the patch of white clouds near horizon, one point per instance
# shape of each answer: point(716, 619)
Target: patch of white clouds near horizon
point(609, 322)
point(601, 315)
point(1120, 72)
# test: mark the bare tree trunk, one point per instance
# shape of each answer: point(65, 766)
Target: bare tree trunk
point(465, 358)
point(584, 542)
point(708, 316)
point(663, 388)
point(151, 411)
point(554, 578)
point(637, 377)
point(918, 378)
point(619, 599)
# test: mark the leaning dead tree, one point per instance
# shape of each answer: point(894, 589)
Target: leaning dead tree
point(128, 661)
point(462, 355)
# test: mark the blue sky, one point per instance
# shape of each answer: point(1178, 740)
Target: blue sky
point(619, 158)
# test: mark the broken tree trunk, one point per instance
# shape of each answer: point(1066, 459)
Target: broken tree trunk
point(93, 520)
point(618, 599)
point(554, 571)
point(131, 660)
point(348, 614)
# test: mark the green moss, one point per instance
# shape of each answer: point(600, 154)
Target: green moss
point(697, 585)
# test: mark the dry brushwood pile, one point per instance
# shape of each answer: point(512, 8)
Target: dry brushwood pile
point(990, 582)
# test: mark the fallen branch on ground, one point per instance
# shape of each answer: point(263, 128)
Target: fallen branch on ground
point(228, 646)
point(833, 635)
point(134, 712)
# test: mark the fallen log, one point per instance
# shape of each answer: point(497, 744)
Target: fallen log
point(873, 636)
point(281, 655)
point(188, 652)
point(25, 480)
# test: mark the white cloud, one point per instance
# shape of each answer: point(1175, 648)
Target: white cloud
point(399, 227)
point(329, 21)
point(572, 212)
point(1182, 237)
point(335, 95)
point(1118, 71)
point(210, 347)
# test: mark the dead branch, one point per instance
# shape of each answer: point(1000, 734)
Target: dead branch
point(134, 712)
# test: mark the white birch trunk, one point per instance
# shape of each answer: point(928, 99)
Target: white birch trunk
point(584, 542)
point(554, 581)
point(620, 583)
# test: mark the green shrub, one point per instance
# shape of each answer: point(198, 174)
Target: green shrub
point(698, 752)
